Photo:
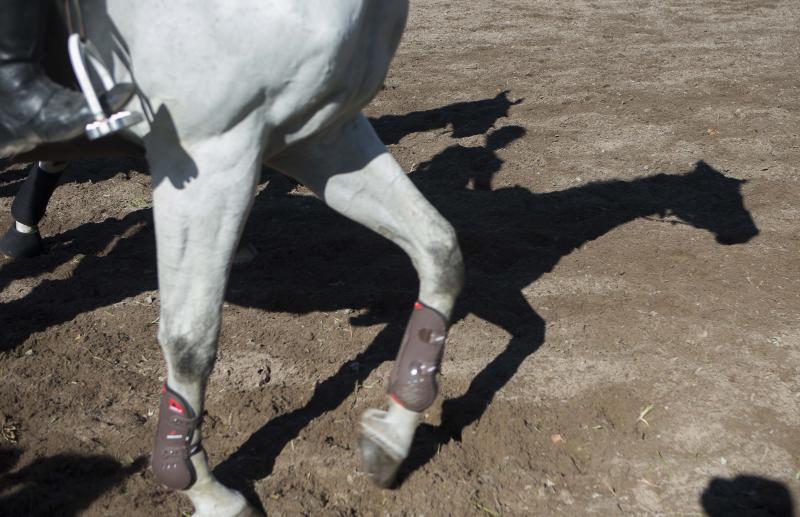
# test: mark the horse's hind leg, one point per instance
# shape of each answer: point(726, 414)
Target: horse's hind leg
point(352, 171)
point(200, 203)
point(22, 239)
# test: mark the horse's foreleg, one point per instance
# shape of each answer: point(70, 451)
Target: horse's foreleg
point(22, 239)
point(200, 203)
point(355, 175)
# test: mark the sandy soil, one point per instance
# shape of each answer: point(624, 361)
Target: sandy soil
point(622, 177)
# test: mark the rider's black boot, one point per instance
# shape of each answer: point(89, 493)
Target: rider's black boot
point(34, 109)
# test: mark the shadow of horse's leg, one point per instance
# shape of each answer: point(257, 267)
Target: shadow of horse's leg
point(256, 457)
point(514, 315)
point(350, 169)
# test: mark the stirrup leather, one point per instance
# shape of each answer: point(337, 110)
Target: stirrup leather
point(82, 55)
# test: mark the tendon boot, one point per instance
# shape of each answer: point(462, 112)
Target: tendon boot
point(31, 201)
point(173, 449)
point(34, 109)
point(22, 240)
point(412, 383)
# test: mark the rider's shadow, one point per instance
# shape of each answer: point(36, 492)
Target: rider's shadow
point(469, 118)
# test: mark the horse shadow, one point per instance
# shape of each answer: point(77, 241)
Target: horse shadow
point(64, 484)
point(747, 496)
point(509, 237)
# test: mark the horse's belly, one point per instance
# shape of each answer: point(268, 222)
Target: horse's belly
point(294, 68)
point(340, 72)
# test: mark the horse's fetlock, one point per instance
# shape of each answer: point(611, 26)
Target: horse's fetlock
point(173, 449)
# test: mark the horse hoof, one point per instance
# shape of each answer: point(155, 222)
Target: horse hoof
point(379, 465)
point(379, 458)
point(17, 245)
point(249, 511)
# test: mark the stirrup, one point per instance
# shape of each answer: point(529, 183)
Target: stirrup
point(105, 123)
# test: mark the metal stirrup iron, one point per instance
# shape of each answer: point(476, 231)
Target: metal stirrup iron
point(83, 53)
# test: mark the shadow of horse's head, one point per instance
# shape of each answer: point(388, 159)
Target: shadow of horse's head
point(707, 199)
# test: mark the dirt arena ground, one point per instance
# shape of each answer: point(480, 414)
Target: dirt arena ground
point(622, 176)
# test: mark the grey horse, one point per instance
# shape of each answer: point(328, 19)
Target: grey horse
point(226, 87)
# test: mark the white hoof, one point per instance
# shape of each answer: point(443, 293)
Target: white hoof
point(246, 511)
point(250, 512)
point(213, 499)
point(385, 441)
point(380, 458)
